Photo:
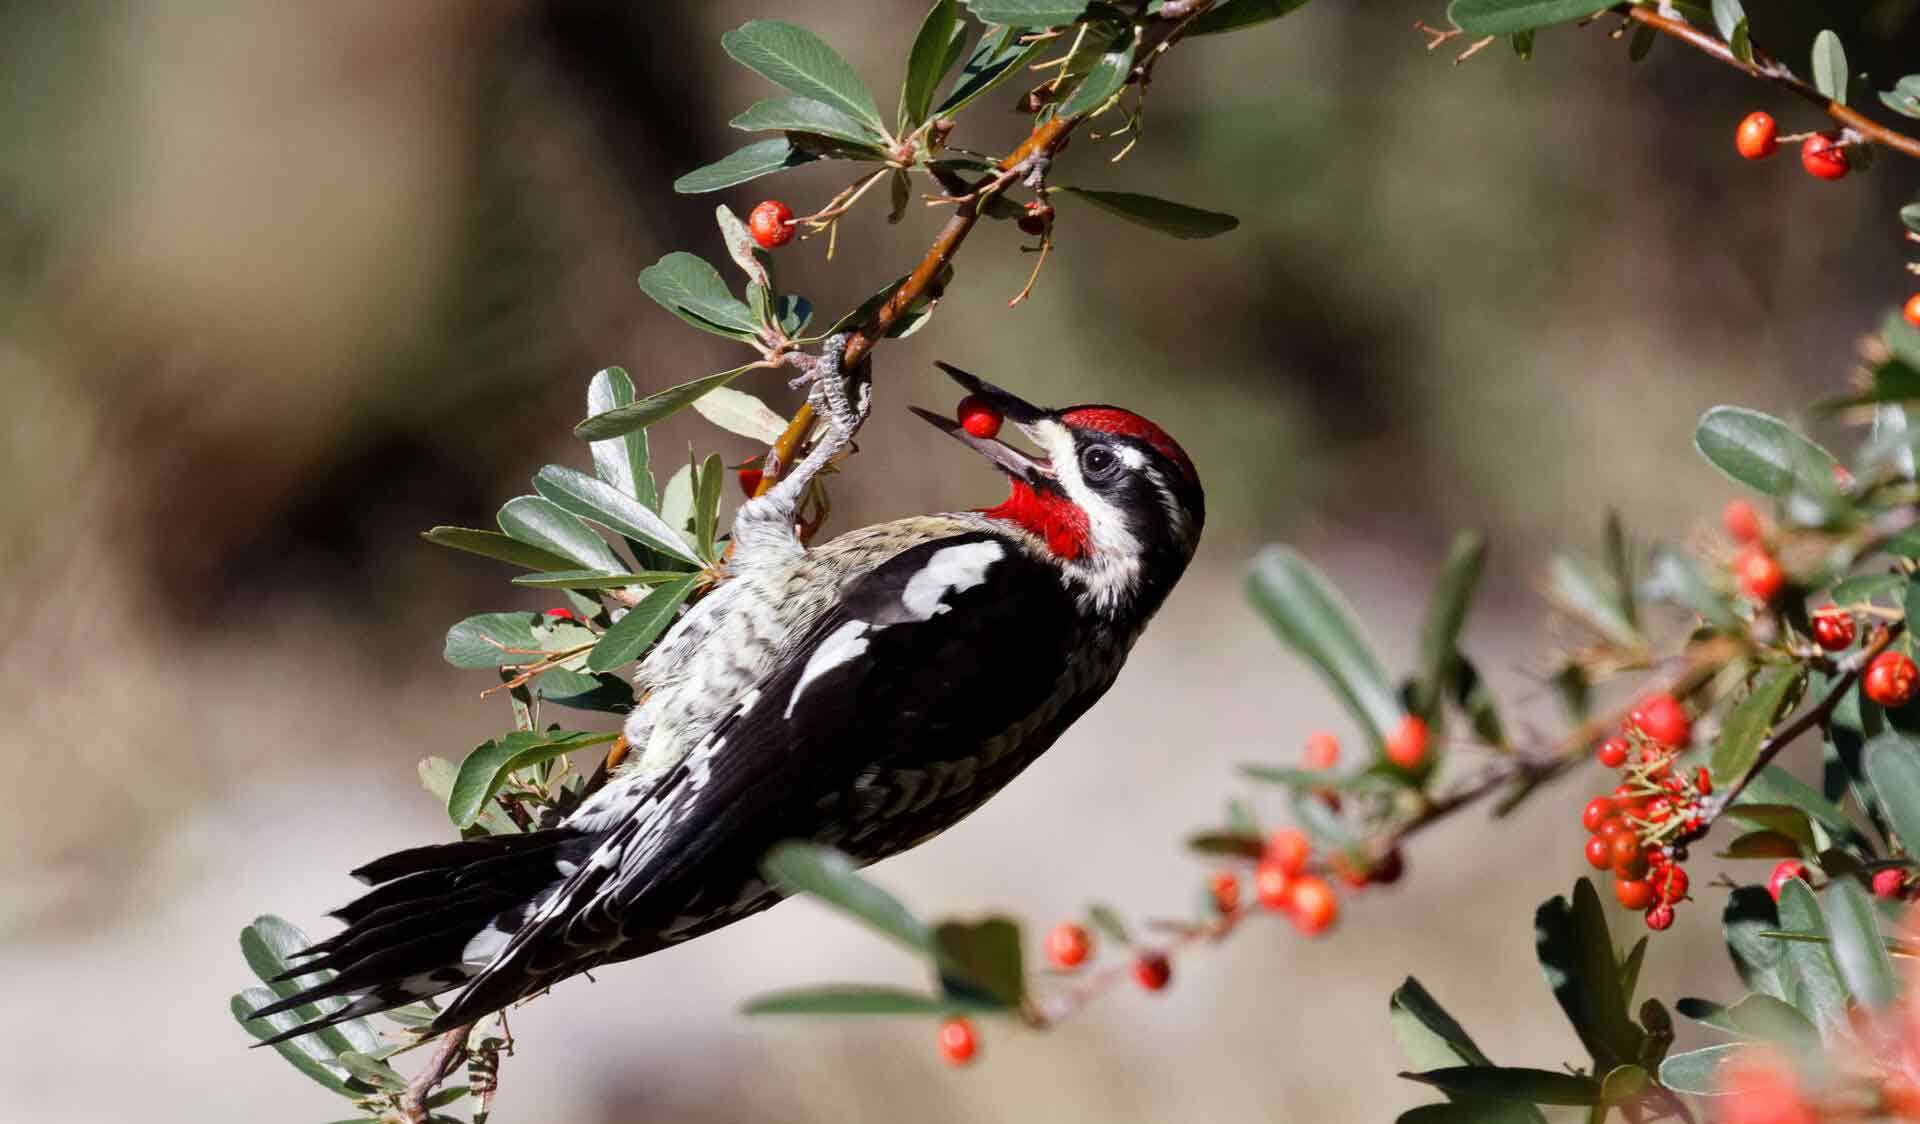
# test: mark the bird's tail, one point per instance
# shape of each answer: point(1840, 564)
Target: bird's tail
point(426, 926)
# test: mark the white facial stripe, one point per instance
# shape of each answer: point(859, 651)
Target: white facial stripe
point(953, 569)
point(1106, 524)
point(842, 644)
point(1131, 457)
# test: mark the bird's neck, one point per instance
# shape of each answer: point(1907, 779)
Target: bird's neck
point(1049, 516)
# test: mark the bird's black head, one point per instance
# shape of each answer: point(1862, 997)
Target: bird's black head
point(1115, 498)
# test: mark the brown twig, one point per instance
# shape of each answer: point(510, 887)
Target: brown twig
point(446, 1058)
point(1772, 71)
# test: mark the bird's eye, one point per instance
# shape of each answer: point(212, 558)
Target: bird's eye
point(1097, 462)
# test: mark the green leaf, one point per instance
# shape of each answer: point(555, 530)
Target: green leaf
point(1472, 1110)
point(303, 1053)
point(1623, 1083)
point(604, 693)
point(376, 1073)
point(1310, 616)
point(1763, 845)
point(742, 165)
point(1830, 66)
point(1578, 589)
point(1749, 722)
point(591, 498)
point(1904, 99)
point(1640, 46)
point(1698, 1071)
point(935, 49)
point(795, 868)
point(1676, 576)
point(1576, 956)
point(1162, 215)
point(653, 408)
point(706, 505)
point(540, 522)
point(1858, 949)
point(1630, 970)
point(1106, 920)
point(493, 544)
point(1107, 78)
point(1762, 452)
point(985, 957)
point(1781, 819)
point(739, 412)
point(1241, 844)
point(1313, 780)
point(1742, 42)
point(1028, 13)
point(267, 946)
point(594, 579)
point(489, 766)
point(1446, 614)
point(1232, 15)
point(1727, 15)
point(1000, 55)
point(1761, 963)
point(1532, 1086)
point(1866, 587)
point(1774, 785)
point(861, 999)
point(1818, 992)
point(1772, 1020)
point(793, 57)
point(1502, 17)
point(633, 633)
point(1706, 1012)
point(688, 286)
point(1892, 765)
point(623, 461)
point(1429, 1036)
point(1910, 214)
point(482, 640)
point(805, 115)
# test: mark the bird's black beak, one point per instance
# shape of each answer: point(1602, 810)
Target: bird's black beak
point(1013, 462)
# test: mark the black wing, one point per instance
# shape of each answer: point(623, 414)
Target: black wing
point(926, 659)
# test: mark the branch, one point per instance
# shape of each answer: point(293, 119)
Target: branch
point(1765, 67)
point(446, 1058)
point(1041, 145)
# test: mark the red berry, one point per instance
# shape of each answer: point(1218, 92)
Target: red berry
point(1757, 137)
point(1659, 809)
point(750, 476)
point(1660, 918)
point(1225, 885)
point(1067, 945)
point(1613, 752)
point(1759, 574)
point(1824, 157)
point(1633, 893)
point(1408, 745)
point(563, 614)
point(1891, 679)
point(1671, 882)
point(1611, 827)
point(1272, 884)
point(1786, 872)
point(1742, 521)
point(1599, 852)
point(1912, 310)
point(1629, 858)
point(1833, 629)
point(1323, 751)
point(1289, 849)
point(958, 1043)
point(978, 417)
point(1661, 718)
point(771, 224)
point(1314, 906)
point(1889, 882)
point(1703, 781)
point(1152, 971)
point(1597, 812)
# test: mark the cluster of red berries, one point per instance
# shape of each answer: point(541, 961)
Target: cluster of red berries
point(1823, 155)
point(1654, 802)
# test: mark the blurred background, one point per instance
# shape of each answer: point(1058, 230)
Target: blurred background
point(283, 284)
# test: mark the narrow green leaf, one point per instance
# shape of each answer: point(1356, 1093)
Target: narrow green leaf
point(1531, 1086)
point(1232, 15)
point(1742, 42)
point(1000, 55)
point(1162, 215)
point(934, 52)
point(1773, 1020)
point(743, 165)
point(1775, 785)
point(985, 956)
point(1830, 66)
point(1892, 764)
point(1819, 993)
point(688, 286)
point(1107, 78)
point(267, 945)
point(1698, 1072)
point(1578, 589)
point(1677, 577)
point(489, 765)
point(625, 461)
point(827, 874)
point(594, 579)
point(1859, 951)
point(1028, 13)
point(1761, 963)
point(493, 544)
point(1108, 921)
point(1576, 956)
point(1630, 970)
point(591, 498)
point(654, 407)
point(1910, 214)
point(1429, 1036)
point(1706, 1012)
point(1781, 819)
point(1446, 614)
point(1750, 721)
point(376, 1073)
point(1314, 780)
point(1502, 17)
point(1727, 15)
point(861, 999)
point(791, 56)
point(1763, 845)
point(1310, 616)
point(1472, 1110)
point(804, 115)
point(633, 633)
point(540, 522)
point(299, 1052)
point(1240, 844)
point(706, 505)
point(1762, 452)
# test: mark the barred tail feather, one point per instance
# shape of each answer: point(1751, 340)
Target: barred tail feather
point(408, 938)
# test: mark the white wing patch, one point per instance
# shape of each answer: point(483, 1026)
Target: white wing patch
point(848, 642)
point(953, 569)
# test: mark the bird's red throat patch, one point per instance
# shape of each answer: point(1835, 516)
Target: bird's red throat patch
point(1048, 514)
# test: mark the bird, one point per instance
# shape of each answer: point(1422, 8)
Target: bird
point(866, 693)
